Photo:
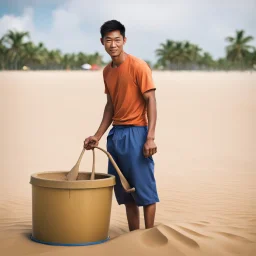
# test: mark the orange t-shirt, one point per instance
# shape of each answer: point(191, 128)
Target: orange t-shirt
point(126, 85)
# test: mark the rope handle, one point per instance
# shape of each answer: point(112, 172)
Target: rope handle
point(123, 180)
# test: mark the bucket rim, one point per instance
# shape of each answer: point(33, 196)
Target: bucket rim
point(107, 181)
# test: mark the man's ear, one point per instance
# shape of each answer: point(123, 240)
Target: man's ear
point(125, 39)
point(101, 40)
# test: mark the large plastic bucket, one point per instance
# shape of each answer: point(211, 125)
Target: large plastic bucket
point(71, 212)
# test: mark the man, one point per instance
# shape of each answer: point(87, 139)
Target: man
point(131, 106)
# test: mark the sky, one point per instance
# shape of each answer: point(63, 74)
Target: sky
point(74, 25)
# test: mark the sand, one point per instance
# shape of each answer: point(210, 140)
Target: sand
point(205, 165)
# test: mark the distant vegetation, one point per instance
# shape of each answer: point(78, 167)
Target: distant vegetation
point(240, 55)
point(17, 51)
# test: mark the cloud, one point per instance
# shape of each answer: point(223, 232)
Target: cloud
point(76, 23)
point(19, 23)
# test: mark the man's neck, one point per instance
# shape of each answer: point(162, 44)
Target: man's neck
point(118, 60)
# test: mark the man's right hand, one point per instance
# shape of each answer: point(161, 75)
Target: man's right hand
point(91, 142)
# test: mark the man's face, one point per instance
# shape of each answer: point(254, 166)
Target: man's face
point(113, 42)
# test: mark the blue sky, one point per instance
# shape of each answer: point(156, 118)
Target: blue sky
point(73, 25)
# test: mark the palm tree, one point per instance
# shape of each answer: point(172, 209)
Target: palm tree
point(94, 58)
point(69, 61)
point(32, 54)
point(15, 43)
point(224, 64)
point(189, 54)
point(194, 54)
point(206, 61)
point(82, 58)
point(251, 59)
point(3, 53)
point(178, 54)
point(54, 58)
point(238, 49)
point(165, 52)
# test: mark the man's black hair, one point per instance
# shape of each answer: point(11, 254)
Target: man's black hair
point(110, 26)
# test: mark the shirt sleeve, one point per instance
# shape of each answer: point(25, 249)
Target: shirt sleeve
point(144, 78)
point(106, 87)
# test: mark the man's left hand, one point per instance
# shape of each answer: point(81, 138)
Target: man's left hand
point(149, 148)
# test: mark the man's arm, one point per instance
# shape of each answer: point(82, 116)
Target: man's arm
point(150, 146)
point(105, 123)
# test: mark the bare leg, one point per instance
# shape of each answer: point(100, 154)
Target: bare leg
point(149, 215)
point(133, 216)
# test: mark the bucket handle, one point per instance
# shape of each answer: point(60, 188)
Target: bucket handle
point(123, 180)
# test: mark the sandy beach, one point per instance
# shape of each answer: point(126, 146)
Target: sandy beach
point(205, 167)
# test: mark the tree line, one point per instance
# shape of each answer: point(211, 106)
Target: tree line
point(240, 55)
point(17, 51)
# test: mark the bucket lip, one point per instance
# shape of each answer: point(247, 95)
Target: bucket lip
point(109, 180)
point(35, 175)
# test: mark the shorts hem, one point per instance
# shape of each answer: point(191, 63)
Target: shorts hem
point(141, 204)
point(148, 203)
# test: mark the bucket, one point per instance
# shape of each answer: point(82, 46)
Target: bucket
point(72, 213)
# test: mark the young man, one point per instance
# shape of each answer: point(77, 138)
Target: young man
point(131, 106)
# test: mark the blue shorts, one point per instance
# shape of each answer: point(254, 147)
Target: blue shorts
point(125, 144)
